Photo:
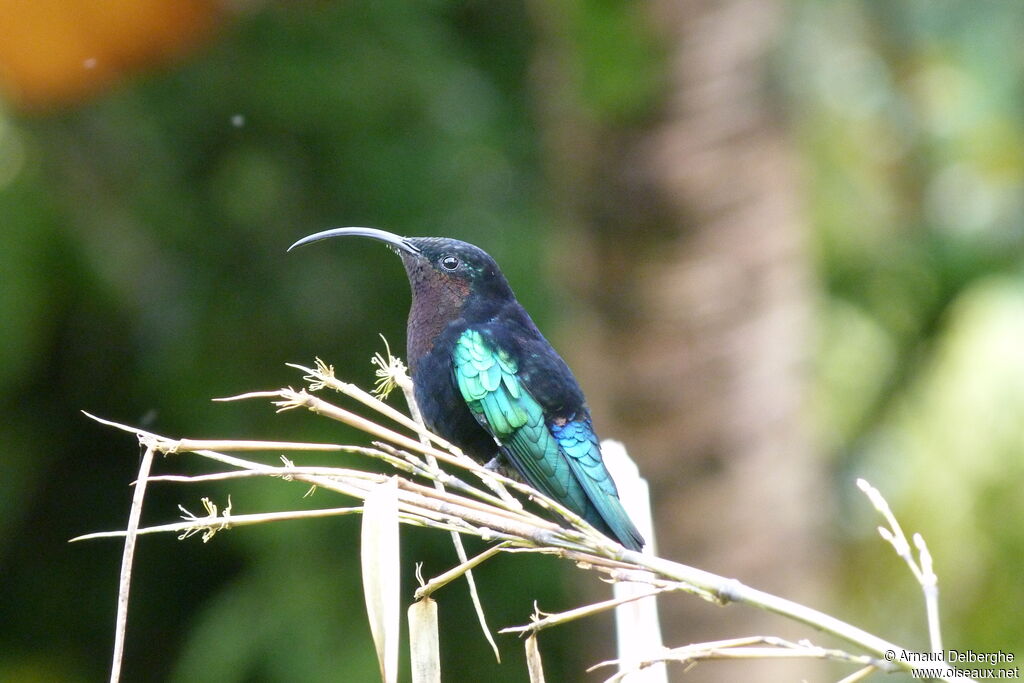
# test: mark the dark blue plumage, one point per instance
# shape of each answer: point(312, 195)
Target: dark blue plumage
point(487, 380)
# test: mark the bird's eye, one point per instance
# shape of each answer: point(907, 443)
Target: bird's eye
point(449, 262)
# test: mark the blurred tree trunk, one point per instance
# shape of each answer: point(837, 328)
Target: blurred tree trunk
point(684, 252)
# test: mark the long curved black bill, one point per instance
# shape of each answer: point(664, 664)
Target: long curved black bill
point(396, 241)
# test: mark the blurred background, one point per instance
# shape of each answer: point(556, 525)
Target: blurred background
point(781, 244)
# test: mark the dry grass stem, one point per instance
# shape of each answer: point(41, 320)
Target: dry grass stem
point(923, 572)
point(427, 588)
point(424, 642)
point(392, 373)
point(210, 525)
point(754, 647)
point(533, 662)
point(380, 559)
point(492, 509)
point(540, 620)
point(127, 557)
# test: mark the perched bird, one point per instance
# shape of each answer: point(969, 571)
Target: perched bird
point(488, 381)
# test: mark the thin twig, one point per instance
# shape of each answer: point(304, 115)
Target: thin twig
point(924, 572)
point(427, 588)
point(468, 509)
point(930, 588)
point(124, 585)
point(323, 377)
point(215, 523)
point(753, 647)
point(539, 622)
point(472, 516)
point(395, 372)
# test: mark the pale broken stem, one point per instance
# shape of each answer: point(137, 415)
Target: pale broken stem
point(427, 588)
point(410, 398)
point(216, 523)
point(930, 588)
point(418, 504)
point(924, 572)
point(228, 445)
point(433, 508)
point(731, 590)
point(754, 647)
point(494, 481)
point(287, 473)
point(540, 620)
point(392, 373)
point(894, 533)
point(473, 517)
point(423, 469)
point(534, 666)
point(708, 585)
point(380, 564)
point(212, 523)
point(289, 399)
point(124, 584)
point(323, 377)
point(436, 508)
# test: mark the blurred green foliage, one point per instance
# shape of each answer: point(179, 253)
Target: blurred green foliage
point(144, 272)
point(910, 123)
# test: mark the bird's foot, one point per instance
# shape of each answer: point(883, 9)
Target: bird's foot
point(499, 465)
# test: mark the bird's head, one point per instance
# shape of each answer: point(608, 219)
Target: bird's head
point(444, 271)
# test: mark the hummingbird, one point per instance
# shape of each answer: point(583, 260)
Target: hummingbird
point(487, 380)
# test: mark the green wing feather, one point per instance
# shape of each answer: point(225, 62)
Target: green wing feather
point(562, 460)
point(486, 377)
